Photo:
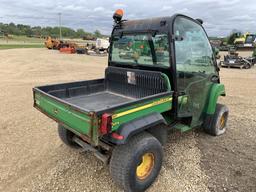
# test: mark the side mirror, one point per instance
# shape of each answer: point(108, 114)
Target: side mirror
point(200, 21)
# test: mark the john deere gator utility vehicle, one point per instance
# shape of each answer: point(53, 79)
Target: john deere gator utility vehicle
point(161, 75)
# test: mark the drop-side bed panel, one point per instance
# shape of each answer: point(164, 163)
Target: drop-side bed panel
point(64, 113)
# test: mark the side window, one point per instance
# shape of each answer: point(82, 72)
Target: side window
point(193, 50)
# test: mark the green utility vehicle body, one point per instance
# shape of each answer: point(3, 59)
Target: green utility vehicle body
point(172, 104)
point(86, 124)
point(162, 74)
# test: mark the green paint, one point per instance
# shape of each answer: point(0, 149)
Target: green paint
point(64, 113)
point(182, 127)
point(168, 118)
point(84, 124)
point(216, 91)
point(166, 106)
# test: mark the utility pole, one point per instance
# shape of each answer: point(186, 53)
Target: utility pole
point(60, 25)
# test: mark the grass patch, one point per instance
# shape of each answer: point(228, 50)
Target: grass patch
point(18, 46)
point(21, 39)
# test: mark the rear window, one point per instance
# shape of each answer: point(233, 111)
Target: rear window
point(141, 49)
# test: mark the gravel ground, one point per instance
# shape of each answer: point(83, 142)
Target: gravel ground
point(32, 158)
point(230, 160)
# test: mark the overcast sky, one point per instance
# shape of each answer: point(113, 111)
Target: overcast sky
point(220, 16)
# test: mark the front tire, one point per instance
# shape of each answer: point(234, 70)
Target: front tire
point(66, 137)
point(134, 166)
point(217, 124)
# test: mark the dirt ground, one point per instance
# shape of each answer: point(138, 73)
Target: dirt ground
point(32, 158)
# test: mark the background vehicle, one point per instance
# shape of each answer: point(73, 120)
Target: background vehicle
point(247, 40)
point(51, 43)
point(234, 60)
point(163, 82)
point(102, 45)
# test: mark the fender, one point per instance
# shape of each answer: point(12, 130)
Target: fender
point(216, 91)
point(138, 125)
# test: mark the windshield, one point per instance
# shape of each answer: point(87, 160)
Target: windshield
point(141, 49)
point(250, 39)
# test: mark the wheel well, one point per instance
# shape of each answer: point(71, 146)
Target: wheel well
point(149, 123)
point(159, 132)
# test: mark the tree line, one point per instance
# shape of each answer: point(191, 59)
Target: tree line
point(37, 31)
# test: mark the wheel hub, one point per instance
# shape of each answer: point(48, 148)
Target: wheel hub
point(222, 122)
point(145, 167)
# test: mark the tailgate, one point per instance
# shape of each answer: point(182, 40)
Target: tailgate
point(79, 121)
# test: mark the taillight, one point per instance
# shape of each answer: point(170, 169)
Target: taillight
point(106, 123)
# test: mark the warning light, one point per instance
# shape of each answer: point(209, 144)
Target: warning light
point(118, 15)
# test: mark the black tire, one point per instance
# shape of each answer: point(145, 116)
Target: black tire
point(217, 124)
point(246, 66)
point(126, 158)
point(66, 137)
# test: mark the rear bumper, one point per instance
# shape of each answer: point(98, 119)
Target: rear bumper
point(104, 157)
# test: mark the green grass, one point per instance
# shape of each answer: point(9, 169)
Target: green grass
point(18, 46)
point(21, 39)
point(16, 42)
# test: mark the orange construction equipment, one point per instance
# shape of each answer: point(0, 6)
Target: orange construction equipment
point(51, 43)
point(69, 50)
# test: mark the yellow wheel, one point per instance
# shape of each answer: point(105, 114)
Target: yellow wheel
point(145, 167)
point(222, 121)
point(135, 165)
point(216, 124)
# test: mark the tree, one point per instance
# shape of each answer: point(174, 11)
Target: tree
point(97, 33)
point(80, 33)
point(38, 31)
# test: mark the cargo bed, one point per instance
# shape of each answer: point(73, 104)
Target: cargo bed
point(98, 101)
point(102, 94)
point(79, 105)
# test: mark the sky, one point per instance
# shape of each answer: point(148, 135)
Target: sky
point(220, 16)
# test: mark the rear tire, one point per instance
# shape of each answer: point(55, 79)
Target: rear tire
point(217, 124)
point(247, 66)
point(66, 137)
point(135, 165)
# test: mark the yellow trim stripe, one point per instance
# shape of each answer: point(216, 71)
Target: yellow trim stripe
point(141, 107)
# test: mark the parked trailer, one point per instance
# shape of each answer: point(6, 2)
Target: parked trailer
point(233, 60)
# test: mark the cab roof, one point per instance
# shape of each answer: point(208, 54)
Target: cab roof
point(158, 24)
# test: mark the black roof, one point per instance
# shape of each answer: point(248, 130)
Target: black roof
point(144, 25)
point(159, 24)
